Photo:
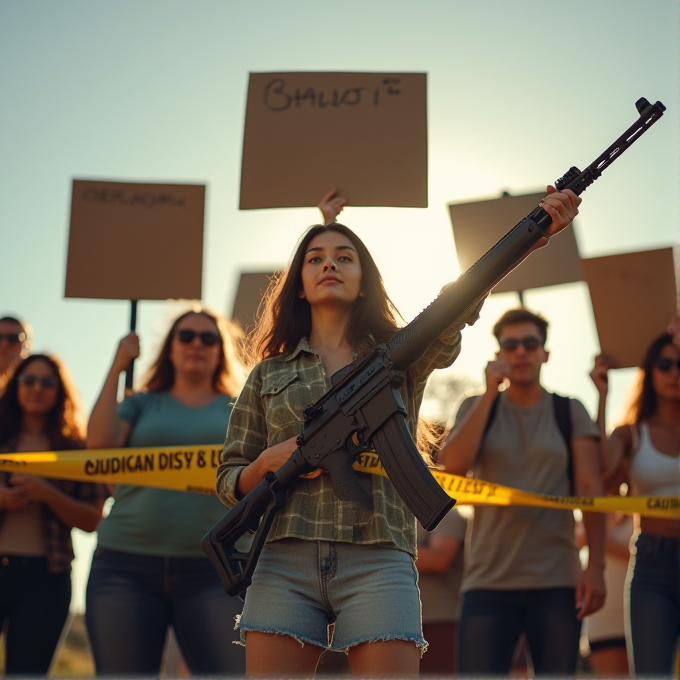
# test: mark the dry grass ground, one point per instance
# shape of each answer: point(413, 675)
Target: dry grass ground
point(74, 656)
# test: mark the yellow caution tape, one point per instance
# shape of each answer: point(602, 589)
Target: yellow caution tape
point(469, 491)
point(181, 468)
point(192, 468)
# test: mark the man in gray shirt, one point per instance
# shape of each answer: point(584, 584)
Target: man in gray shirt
point(522, 571)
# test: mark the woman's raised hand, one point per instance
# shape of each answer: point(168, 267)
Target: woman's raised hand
point(599, 373)
point(128, 349)
point(562, 206)
point(331, 206)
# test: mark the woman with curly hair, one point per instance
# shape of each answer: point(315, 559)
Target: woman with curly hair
point(39, 411)
point(149, 571)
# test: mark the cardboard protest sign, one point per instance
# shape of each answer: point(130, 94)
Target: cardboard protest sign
point(251, 288)
point(362, 133)
point(131, 241)
point(477, 225)
point(634, 298)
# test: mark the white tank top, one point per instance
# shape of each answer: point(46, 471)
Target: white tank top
point(654, 473)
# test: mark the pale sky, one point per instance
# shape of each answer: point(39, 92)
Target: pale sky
point(154, 91)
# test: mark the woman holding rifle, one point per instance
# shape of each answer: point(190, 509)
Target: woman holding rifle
point(328, 561)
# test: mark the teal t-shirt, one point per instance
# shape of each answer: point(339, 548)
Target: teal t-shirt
point(151, 521)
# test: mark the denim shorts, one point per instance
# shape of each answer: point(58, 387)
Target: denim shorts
point(368, 592)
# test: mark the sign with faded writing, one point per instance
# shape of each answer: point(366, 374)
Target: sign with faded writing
point(362, 133)
point(478, 225)
point(131, 241)
point(634, 298)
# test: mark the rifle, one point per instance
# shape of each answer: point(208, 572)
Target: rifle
point(363, 409)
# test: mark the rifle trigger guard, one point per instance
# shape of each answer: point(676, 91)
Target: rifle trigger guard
point(278, 493)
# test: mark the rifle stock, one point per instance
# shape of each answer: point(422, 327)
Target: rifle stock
point(364, 407)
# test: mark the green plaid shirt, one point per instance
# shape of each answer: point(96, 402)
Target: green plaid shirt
point(269, 411)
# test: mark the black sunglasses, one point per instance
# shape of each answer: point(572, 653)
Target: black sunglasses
point(13, 338)
point(664, 364)
point(208, 338)
point(46, 381)
point(530, 344)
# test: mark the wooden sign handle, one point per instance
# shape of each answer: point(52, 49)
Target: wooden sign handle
point(129, 374)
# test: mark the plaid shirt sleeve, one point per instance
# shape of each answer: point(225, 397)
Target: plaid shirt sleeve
point(444, 350)
point(246, 437)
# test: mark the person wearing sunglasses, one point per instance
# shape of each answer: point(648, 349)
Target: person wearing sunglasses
point(39, 411)
point(523, 573)
point(644, 453)
point(15, 344)
point(149, 571)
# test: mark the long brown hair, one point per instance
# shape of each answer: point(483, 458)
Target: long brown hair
point(229, 373)
point(642, 403)
point(284, 318)
point(65, 426)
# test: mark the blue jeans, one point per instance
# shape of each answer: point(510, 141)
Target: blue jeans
point(132, 599)
point(653, 604)
point(492, 621)
point(34, 606)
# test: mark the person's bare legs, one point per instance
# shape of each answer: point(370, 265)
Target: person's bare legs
point(279, 656)
point(385, 659)
point(610, 662)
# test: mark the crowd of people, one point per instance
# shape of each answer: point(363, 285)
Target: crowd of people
point(482, 590)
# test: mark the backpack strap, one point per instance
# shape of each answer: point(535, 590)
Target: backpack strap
point(634, 438)
point(492, 415)
point(563, 417)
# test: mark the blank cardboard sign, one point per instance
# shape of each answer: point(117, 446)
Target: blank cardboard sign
point(135, 241)
point(478, 225)
point(634, 298)
point(251, 288)
point(362, 133)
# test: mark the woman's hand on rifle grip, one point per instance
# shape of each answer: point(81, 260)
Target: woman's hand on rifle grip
point(562, 206)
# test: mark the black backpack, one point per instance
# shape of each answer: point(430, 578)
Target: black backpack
point(563, 418)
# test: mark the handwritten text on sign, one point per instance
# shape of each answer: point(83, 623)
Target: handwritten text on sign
point(147, 199)
point(363, 133)
point(135, 241)
point(278, 96)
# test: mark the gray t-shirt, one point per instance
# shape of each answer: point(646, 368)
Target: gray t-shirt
point(439, 592)
point(523, 547)
point(163, 522)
